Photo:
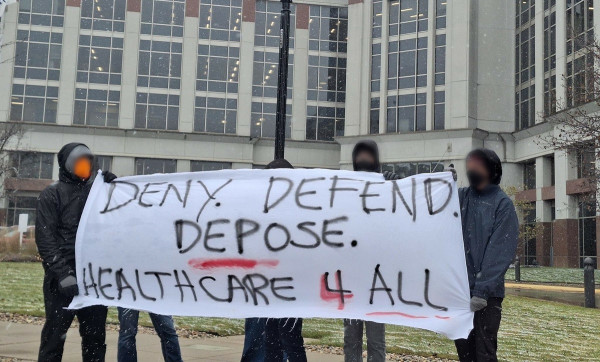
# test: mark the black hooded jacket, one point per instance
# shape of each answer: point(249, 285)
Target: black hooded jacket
point(59, 208)
point(369, 146)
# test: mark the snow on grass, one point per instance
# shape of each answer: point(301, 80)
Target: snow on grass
point(550, 275)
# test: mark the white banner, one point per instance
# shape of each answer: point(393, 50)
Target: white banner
point(278, 243)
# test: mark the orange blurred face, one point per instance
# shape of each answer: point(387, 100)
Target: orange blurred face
point(83, 168)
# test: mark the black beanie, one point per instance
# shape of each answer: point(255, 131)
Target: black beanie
point(492, 163)
point(279, 163)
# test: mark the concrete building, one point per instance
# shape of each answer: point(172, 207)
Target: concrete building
point(176, 85)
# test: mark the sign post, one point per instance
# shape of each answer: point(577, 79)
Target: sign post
point(22, 228)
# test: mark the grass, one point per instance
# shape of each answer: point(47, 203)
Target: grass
point(551, 275)
point(531, 329)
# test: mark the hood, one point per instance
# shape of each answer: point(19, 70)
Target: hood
point(63, 155)
point(492, 163)
point(369, 146)
point(280, 163)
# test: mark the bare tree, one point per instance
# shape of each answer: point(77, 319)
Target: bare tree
point(11, 134)
point(529, 227)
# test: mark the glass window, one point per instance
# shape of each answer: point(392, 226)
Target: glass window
point(96, 107)
point(529, 175)
point(220, 20)
point(525, 65)
point(149, 166)
point(157, 111)
point(34, 165)
point(100, 59)
point(324, 123)
point(263, 119)
point(374, 116)
point(103, 163)
point(215, 115)
point(439, 110)
point(406, 113)
point(108, 15)
point(159, 64)
point(218, 68)
point(33, 103)
point(163, 17)
point(18, 205)
point(586, 163)
point(407, 169)
point(408, 16)
point(209, 166)
point(46, 13)
point(440, 14)
point(38, 55)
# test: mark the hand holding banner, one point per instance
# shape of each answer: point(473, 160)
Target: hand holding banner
point(278, 243)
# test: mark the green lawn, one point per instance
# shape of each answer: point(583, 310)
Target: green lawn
point(531, 329)
point(551, 275)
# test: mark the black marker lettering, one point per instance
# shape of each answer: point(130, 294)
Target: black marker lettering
point(299, 193)
point(377, 275)
point(325, 232)
point(139, 285)
point(240, 233)
point(232, 288)
point(427, 294)
point(187, 285)
point(334, 187)
point(303, 226)
point(267, 237)
point(365, 194)
point(158, 275)
point(123, 284)
point(254, 290)
point(210, 295)
point(408, 302)
point(179, 234)
point(145, 191)
point(211, 196)
point(275, 289)
point(104, 286)
point(208, 235)
point(113, 186)
point(427, 183)
point(287, 192)
point(396, 192)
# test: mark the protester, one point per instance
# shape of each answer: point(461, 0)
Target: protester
point(490, 232)
point(164, 327)
point(59, 209)
point(283, 336)
point(365, 157)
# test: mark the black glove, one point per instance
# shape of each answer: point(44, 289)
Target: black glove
point(389, 175)
point(451, 168)
point(108, 176)
point(67, 285)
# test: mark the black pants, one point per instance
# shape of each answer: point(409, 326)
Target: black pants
point(284, 335)
point(482, 343)
point(92, 326)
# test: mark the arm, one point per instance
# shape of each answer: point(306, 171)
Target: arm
point(500, 251)
point(46, 222)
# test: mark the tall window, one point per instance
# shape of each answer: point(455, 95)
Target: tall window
point(163, 17)
point(159, 64)
point(407, 63)
point(33, 103)
point(326, 91)
point(549, 57)
point(103, 163)
point(209, 166)
point(34, 165)
point(38, 54)
point(408, 16)
point(100, 59)
point(529, 175)
point(46, 12)
point(406, 112)
point(375, 66)
point(580, 62)
point(96, 107)
point(157, 111)
point(587, 229)
point(266, 59)
point(106, 15)
point(149, 166)
point(215, 115)
point(440, 14)
point(586, 162)
point(525, 64)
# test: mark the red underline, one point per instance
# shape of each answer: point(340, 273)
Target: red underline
point(231, 263)
point(396, 313)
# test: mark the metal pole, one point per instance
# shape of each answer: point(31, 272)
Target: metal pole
point(589, 283)
point(517, 269)
point(284, 48)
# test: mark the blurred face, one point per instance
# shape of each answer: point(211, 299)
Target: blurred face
point(83, 168)
point(366, 157)
point(477, 173)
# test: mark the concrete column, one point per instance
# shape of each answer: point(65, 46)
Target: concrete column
point(596, 15)
point(300, 72)
point(123, 166)
point(183, 165)
point(431, 5)
point(8, 31)
point(131, 47)
point(543, 175)
point(561, 56)
point(189, 57)
point(365, 71)
point(246, 68)
point(539, 61)
point(383, 75)
point(68, 65)
point(566, 169)
point(355, 66)
point(55, 168)
point(565, 228)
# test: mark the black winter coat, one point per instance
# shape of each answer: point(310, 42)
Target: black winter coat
point(490, 232)
point(59, 209)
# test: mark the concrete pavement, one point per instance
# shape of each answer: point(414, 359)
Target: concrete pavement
point(21, 341)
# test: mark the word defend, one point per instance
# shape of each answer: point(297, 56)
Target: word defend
point(278, 243)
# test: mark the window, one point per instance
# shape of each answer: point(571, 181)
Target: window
point(374, 116)
point(220, 20)
point(407, 63)
point(324, 123)
point(159, 64)
point(215, 115)
point(549, 58)
point(18, 205)
point(209, 166)
point(264, 77)
point(100, 59)
point(440, 14)
point(38, 55)
point(157, 111)
point(529, 182)
point(218, 68)
point(525, 64)
point(96, 107)
point(408, 16)
point(149, 166)
point(267, 24)
point(407, 169)
point(377, 13)
point(586, 163)
point(375, 67)
point(587, 228)
point(106, 15)
point(439, 110)
point(34, 165)
point(163, 17)
point(440, 59)
point(103, 163)
point(406, 113)
point(33, 103)
point(46, 12)
point(263, 119)
point(580, 33)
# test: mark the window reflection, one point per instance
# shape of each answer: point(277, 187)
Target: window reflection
point(106, 15)
point(157, 111)
point(96, 107)
point(149, 166)
point(33, 103)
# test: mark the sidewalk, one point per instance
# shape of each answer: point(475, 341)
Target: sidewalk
point(21, 341)
point(555, 293)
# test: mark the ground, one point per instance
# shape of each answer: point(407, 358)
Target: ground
point(551, 275)
point(531, 329)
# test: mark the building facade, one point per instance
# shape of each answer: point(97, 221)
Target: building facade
point(190, 85)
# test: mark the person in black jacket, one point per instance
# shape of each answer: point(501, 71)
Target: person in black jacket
point(59, 208)
point(490, 231)
point(365, 157)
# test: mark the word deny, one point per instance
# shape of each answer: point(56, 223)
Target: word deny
point(372, 196)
